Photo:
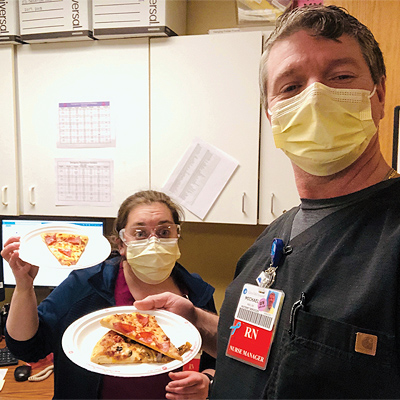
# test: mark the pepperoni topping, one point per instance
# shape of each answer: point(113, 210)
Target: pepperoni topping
point(163, 346)
point(146, 337)
point(143, 319)
point(66, 252)
point(50, 239)
point(122, 327)
point(76, 240)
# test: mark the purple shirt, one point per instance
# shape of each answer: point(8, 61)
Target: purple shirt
point(151, 387)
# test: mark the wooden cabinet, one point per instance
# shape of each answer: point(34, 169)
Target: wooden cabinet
point(206, 86)
point(114, 71)
point(9, 168)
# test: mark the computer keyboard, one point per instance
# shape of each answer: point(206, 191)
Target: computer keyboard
point(6, 358)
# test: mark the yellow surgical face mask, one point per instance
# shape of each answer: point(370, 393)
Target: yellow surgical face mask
point(153, 260)
point(323, 130)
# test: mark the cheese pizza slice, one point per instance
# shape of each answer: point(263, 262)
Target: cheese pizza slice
point(114, 348)
point(144, 329)
point(67, 248)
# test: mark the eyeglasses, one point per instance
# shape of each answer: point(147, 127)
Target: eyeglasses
point(163, 231)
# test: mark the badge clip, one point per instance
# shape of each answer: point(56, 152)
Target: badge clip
point(267, 277)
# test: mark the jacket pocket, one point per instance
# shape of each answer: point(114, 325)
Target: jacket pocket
point(318, 359)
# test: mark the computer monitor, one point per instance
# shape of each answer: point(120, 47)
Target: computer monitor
point(21, 225)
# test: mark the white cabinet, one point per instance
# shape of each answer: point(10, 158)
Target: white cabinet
point(206, 86)
point(278, 191)
point(8, 172)
point(114, 71)
point(163, 93)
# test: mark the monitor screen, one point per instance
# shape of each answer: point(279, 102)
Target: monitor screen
point(21, 225)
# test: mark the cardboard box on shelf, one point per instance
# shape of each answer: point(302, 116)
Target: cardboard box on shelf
point(55, 21)
point(140, 18)
point(9, 22)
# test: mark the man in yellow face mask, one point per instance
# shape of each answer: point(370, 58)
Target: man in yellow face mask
point(325, 96)
point(334, 260)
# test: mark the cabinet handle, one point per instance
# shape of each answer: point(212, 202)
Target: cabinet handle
point(243, 196)
point(32, 195)
point(4, 195)
point(272, 203)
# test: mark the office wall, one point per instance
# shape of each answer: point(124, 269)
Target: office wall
point(203, 15)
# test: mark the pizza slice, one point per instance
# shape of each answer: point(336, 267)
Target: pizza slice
point(67, 248)
point(144, 329)
point(114, 348)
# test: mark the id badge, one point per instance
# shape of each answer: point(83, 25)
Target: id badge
point(253, 329)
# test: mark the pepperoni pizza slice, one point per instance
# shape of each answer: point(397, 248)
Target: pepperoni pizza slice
point(67, 248)
point(144, 329)
point(114, 348)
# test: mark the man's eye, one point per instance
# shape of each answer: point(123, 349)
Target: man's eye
point(289, 88)
point(343, 77)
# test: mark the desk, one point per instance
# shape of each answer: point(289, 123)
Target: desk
point(43, 390)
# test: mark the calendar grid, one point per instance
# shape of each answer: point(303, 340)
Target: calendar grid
point(85, 124)
point(84, 182)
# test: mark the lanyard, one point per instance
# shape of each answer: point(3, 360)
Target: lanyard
point(267, 277)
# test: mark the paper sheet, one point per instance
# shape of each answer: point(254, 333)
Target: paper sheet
point(84, 182)
point(3, 372)
point(200, 177)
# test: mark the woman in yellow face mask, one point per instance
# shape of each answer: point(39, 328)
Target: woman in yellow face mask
point(145, 238)
point(148, 241)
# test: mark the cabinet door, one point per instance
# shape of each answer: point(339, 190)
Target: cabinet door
point(8, 173)
point(278, 191)
point(206, 86)
point(80, 72)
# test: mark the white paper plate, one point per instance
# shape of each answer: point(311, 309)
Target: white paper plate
point(34, 251)
point(81, 336)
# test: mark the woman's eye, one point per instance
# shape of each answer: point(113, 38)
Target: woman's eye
point(140, 234)
point(164, 233)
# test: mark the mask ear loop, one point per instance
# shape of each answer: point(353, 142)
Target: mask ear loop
point(372, 93)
